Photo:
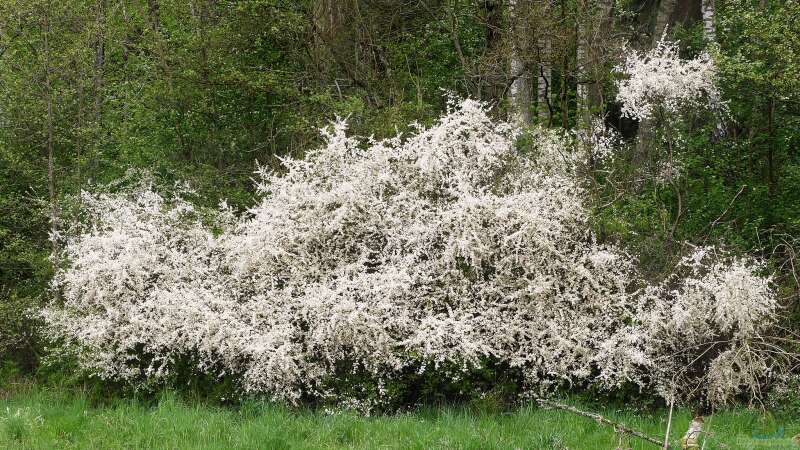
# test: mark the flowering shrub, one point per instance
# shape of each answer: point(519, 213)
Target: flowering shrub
point(708, 329)
point(143, 285)
point(445, 250)
point(660, 77)
point(599, 140)
point(408, 253)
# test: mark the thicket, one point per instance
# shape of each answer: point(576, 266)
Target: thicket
point(440, 254)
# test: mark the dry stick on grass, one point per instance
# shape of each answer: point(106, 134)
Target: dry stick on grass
point(669, 420)
point(619, 427)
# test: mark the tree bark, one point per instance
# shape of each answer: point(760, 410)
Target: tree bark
point(99, 68)
point(644, 135)
point(564, 78)
point(520, 90)
point(494, 41)
point(51, 180)
point(544, 81)
point(591, 29)
point(710, 33)
point(691, 440)
point(99, 60)
point(617, 426)
point(602, 35)
point(709, 11)
point(581, 63)
point(666, 8)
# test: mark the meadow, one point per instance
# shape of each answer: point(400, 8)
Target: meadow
point(50, 417)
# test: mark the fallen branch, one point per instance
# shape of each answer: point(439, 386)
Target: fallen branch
point(618, 427)
point(669, 422)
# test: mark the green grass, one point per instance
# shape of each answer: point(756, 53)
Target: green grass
point(34, 417)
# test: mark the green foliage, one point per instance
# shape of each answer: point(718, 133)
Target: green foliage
point(490, 388)
point(737, 190)
point(24, 250)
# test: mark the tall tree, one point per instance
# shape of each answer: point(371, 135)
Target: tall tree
point(593, 29)
point(51, 175)
point(520, 90)
point(645, 132)
point(544, 80)
point(709, 30)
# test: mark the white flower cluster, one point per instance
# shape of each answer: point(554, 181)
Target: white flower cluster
point(660, 77)
point(708, 328)
point(144, 285)
point(600, 141)
point(441, 250)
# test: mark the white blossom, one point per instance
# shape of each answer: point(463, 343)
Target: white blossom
point(660, 78)
point(708, 326)
point(600, 141)
point(437, 251)
point(407, 253)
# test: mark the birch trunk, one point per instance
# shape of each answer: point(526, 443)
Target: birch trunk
point(709, 11)
point(710, 33)
point(520, 89)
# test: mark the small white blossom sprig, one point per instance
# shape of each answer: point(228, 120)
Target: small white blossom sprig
point(660, 78)
point(600, 141)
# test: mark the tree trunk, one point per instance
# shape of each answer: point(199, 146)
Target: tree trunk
point(664, 13)
point(591, 29)
point(99, 67)
point(772, 172)
point(544, 81)
point(564, 78)
point(99, 60)
point(691, 440)
point(581, 64)
point(51, 181)
point(494, 41)
point(709, 11)
point(520, 90)
point(710, 33)
point(602, 34)
point(645, 133)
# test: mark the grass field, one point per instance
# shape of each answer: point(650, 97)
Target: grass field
point(34, 417)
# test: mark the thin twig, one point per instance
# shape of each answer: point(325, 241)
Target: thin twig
point(716, 221)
